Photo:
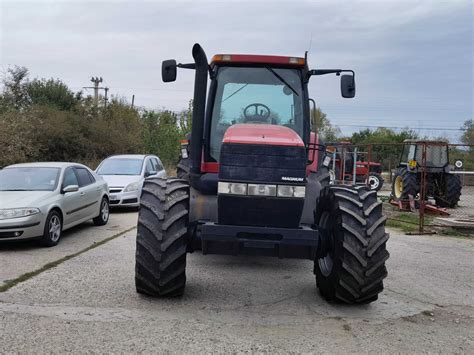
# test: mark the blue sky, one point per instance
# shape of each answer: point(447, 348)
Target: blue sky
point(413, 59)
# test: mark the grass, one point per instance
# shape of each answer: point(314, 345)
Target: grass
point(408, 222)
point(26, 276)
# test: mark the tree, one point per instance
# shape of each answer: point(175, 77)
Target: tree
point(50, 92)
point(321, 124)
point(161, 135)
point(385, 144)
point(14, 95)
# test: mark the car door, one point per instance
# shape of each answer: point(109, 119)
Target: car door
point(159, 167)
point(90, 193)
point(71, 201)
point(150, 169)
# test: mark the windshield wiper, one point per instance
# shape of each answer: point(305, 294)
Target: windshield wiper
point(235, 92)
point(281, 79)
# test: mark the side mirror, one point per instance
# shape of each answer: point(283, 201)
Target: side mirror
point(150, 173)
point(348, 86)
point(168, 70)
point(70, 188)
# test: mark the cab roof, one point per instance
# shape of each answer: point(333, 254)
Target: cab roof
point(273, 60)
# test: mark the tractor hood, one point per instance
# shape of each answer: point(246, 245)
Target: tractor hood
point(265, 134)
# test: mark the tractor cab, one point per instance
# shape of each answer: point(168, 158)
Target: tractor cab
point(437, 155)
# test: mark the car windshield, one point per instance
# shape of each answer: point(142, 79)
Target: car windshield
point(121, 166)
point(29, 179)
point(256, 95)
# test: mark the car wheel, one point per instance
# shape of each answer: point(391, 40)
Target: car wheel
point(52, 229)
point(104, 213)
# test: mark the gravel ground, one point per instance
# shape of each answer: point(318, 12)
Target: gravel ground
point(89, 304)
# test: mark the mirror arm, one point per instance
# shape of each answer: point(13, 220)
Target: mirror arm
point(192, 66)
point(329, 71)
point(186, 65)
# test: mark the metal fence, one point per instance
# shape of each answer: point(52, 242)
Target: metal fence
point(429, 185)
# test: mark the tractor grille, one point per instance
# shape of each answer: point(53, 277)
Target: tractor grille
point(262, 163)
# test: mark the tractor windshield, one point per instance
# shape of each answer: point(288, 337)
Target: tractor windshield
point(255, 95)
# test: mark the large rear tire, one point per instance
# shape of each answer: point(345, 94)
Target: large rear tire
point(350, 265)
point(404, 184)
point(451, 191)
point(160, 268)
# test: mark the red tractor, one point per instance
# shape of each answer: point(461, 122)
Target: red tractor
point(249, 189)
point(343, 165)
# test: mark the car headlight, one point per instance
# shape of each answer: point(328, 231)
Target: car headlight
point(18, 212)
point(132, 186)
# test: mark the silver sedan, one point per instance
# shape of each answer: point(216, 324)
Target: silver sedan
point(44, 199)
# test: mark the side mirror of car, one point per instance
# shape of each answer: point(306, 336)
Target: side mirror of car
point(150, 173)
point(70, 188)
point(348, 88)
point(168, 70)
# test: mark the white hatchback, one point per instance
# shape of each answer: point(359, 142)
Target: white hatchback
point(125, 175)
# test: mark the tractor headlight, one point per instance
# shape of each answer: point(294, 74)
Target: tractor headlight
point(262, 190)
point(232, 188)
point(17, 212)
point(291, 191)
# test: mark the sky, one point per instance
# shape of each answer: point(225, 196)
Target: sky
point(413, 59)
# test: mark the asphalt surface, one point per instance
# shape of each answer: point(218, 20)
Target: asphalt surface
point(89, 304)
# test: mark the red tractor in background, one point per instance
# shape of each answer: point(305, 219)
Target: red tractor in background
point(252, 188)
point(342, 168)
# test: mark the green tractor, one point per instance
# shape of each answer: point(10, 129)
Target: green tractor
point(441, 184)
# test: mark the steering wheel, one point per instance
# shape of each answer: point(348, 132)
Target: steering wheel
point(258, 116)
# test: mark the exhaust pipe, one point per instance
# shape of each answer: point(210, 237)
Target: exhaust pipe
point(199, 107)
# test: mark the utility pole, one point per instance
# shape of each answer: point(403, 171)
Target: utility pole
point(97, 80)
point(133, 100)
point(106, 89)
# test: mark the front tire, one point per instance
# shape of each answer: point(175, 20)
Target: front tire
point(52, 229)
point(350, 263)
point(160, 268)
point(404, 184)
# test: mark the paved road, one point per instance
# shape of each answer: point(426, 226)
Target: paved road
point(17, 258)
point(88, 304)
